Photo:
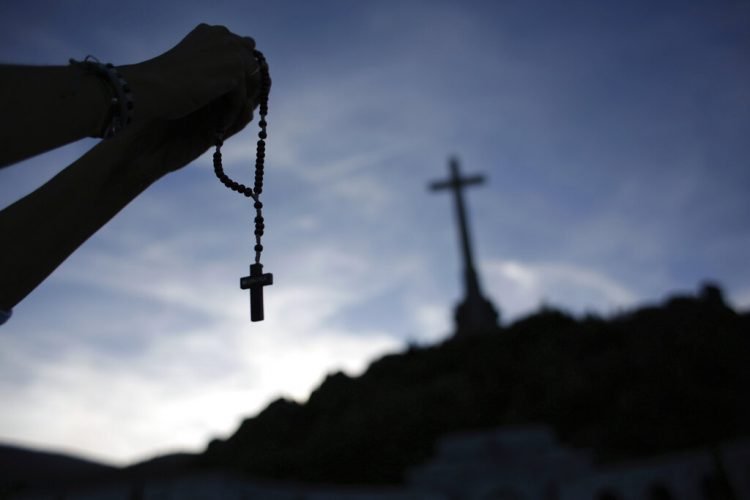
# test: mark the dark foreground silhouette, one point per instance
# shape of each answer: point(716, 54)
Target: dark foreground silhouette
point(655, 380)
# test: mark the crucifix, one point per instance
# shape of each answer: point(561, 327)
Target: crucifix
point(255, 282)
point(476, 313)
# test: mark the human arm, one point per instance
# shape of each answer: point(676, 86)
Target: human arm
point(43, 107)
point(42, 229)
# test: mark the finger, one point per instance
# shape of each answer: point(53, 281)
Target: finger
point(243, 118)
point(252, 69)
point(236, 102)
point(253, 86)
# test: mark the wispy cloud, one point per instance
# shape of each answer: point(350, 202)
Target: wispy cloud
point(522, 287)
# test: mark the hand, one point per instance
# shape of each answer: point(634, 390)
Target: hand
point(210, 63)
point(208, 83)
point(168, 145)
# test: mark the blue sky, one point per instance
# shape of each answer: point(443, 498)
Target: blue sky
point(614, 139)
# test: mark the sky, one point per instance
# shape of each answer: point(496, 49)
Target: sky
point(613, 136)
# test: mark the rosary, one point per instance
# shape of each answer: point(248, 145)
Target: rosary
point(256, 280)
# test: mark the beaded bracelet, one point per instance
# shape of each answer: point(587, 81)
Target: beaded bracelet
point(121, 104)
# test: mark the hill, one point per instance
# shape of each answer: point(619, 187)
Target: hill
point(21, 467)
point(657, 379)
point(654, 380)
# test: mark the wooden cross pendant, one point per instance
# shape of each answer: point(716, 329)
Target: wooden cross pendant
point(255, 282)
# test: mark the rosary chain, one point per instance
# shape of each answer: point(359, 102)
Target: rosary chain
point(260, 156)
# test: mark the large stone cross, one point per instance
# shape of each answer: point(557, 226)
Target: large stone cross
point(475, 314)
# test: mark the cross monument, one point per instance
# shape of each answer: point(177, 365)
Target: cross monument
point(475, 314)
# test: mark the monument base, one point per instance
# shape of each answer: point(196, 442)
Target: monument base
point(476, 316)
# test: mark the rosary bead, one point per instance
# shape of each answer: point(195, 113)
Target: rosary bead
point(260, 155)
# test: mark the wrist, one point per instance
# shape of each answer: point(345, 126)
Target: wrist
point(98, 97)
point(143, 86)
point(121, 106)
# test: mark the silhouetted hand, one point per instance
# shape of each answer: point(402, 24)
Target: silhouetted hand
point(207, 83)
point(209, 64)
